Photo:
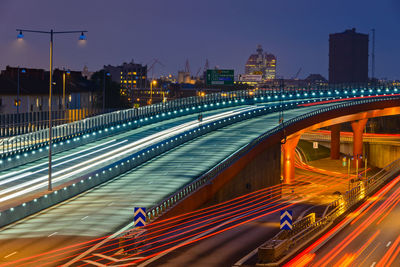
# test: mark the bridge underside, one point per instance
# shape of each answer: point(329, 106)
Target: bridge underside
point(358, 122)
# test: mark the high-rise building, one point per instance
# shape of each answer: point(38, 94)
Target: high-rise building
point(131, 76)
point(261, 64)
point(348, 57)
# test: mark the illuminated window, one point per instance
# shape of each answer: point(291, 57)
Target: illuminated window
point(134, 73)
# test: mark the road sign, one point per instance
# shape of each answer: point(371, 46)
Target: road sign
point(140, 217)
point(315, 145)
point(286, 219)
point(220, 77)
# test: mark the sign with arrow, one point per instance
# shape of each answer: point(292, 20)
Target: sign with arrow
point(286, 219)
point(140, 217)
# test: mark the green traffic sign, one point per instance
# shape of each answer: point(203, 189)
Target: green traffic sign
point(220, 77)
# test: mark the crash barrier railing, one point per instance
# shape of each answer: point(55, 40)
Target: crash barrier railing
point(13, 124)
point(22, 143)
point(170, 201)
point(179, 107)
point(278, 247)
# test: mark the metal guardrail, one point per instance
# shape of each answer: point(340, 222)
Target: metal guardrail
point(277, 247)
point(170, 201)
point(19, 143)
point(16, 144)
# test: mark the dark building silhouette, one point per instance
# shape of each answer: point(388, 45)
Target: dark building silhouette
point(348, 57)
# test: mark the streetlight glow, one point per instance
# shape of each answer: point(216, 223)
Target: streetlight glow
point(82, 37)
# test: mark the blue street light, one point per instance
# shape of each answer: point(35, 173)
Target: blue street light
point(51, 33)
point(82, 37)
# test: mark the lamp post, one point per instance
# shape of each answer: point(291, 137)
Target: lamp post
point(153, 82)
point(63, 96)
point(104, 88)
point(348, 170)
point(18, 90)
point(51, 33)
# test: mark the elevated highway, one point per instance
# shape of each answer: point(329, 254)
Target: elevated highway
point(151, 183)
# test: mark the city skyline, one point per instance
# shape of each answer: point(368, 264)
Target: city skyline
point(225, 33)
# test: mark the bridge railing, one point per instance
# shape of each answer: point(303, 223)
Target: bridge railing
point(21, 143)
point(40, 138)
point(201, 181)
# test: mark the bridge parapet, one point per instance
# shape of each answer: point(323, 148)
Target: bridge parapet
point(22, 143)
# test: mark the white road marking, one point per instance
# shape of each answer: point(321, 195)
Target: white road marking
point(84, 218)
point(105, 257)
point(388, 244)
point(245, 258)
point(9, 255)
point(52, 234)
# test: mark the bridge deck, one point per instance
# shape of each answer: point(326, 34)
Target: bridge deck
point(106, 208)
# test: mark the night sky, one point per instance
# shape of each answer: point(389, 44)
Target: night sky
point(225, 32)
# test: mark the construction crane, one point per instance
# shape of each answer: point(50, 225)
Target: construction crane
point(297, 74)
point(153, 63)
point(197, 73)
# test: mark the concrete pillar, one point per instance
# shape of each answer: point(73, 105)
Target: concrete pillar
point(335, 141)
point(358, 129)
point(289, 154)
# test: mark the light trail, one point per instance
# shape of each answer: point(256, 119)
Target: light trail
point(169, 220)
point(117, 153)
point(55, 160)
point(342, 100)
point(367, 222)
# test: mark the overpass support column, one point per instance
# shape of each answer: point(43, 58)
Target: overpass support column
point(358, 128)
point(289, 154)
point(335, 141)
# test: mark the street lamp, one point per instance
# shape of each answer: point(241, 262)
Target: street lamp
point(68, 72)
point(104, 88)
point(51, 32)
point(18, 102)
point(154, 82)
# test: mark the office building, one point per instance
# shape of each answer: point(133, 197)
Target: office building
point(348, 57)
point(130, 76)
point(261, 64)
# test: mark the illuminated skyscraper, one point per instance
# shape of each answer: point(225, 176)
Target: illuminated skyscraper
point(262, 64)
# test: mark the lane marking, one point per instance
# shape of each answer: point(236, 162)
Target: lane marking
point(9, 255)
point(388, 244)
point(52, 234)
point(245, 258)
point(105, 257)
point(369, 254)
point(84, 218)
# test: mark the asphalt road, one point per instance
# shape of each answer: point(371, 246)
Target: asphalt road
point(372, 238)
point(106, 208)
